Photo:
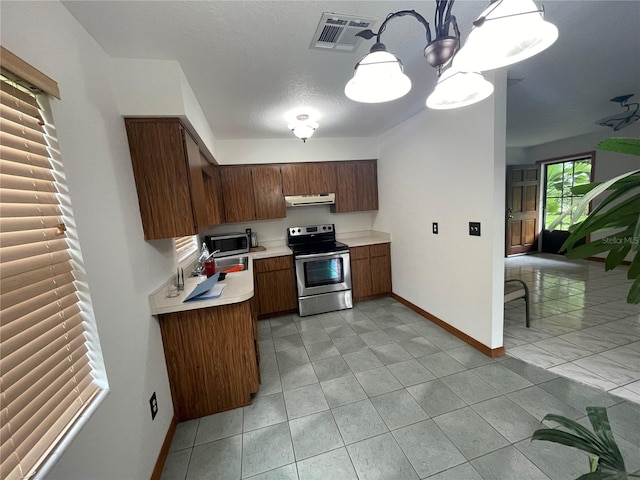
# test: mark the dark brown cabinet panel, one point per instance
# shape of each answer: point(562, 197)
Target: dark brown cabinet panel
point(275, 285)
point(213, 194)
point(252, 192)
point(238, 194)
point(267, 191)
point(370, 270)
point(171, 175)
point(357, 186)
point(367, 186)
point(308, 178)
point(380, 268)
point(162, 174)
point(211, 358)
point(361, 278)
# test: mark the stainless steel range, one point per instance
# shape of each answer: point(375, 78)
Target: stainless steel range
point(323, 269)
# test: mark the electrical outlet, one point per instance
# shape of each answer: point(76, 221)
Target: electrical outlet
point(434, 228)
point(474, 229)
point(153, 403)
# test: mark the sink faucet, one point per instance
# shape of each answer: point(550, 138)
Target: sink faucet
point(204, 256)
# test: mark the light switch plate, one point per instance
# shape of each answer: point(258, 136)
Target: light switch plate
point(434, 228)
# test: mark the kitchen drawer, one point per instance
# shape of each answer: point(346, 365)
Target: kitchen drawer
point(359, 252)
point(272, 264)
point(380, 250)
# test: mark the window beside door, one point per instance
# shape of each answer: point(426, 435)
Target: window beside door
point(560, 177)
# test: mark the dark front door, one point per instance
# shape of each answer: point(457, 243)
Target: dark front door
point(522, 215)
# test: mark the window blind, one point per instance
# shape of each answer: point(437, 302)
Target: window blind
point(185, 246)
point(47, 378)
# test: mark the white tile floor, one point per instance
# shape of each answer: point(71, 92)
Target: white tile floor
point(581, 325)
point(378, 392)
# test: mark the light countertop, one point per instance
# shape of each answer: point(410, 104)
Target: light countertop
point(360, 239)
point(239, 285)
point(238, 288)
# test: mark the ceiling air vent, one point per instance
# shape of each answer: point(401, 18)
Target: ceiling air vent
point(338, 32)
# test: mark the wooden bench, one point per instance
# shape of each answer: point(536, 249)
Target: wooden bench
point(515, 289)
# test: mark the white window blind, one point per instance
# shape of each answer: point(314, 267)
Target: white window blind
point(185, 246)
point(50, 362)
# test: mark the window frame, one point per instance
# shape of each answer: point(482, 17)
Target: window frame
point(186, 253)
point(591, 156)
point(44, 454)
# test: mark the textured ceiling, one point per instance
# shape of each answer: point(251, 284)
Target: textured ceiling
point(249, 62)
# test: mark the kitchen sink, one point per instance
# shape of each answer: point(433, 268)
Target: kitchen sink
point(233, 264)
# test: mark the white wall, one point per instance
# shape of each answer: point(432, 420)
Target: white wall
point(516, 156)
point(120, 440)
point(159, 88)
point(608, 164)
point(286, 150)
point(427, 174)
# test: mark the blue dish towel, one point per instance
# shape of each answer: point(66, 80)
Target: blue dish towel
point(207, 290)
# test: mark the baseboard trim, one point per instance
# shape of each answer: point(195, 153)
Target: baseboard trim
point(164, 450)
point(602, 260)
point(266, 316)
point(489, 352)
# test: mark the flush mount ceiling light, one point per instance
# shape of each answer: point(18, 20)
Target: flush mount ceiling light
point(622, 119)
point(379, 76)
point(303, 127)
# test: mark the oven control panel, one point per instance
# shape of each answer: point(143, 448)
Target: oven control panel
point(310, 230)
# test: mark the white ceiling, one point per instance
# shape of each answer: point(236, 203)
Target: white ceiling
point(249, 62)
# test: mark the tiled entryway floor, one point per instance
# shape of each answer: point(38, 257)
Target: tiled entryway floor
point(378, 392)
point(581, 325)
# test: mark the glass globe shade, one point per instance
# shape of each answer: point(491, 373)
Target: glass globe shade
point(499, 42)
point(378, 78)
point(457, 89)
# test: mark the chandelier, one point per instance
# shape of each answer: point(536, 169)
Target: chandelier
point(508, 31)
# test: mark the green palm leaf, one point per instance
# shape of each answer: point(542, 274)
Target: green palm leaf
point(600, 423)
point(620, 145)
point(606, 462)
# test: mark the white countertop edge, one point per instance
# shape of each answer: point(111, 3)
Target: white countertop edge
point(183, 307)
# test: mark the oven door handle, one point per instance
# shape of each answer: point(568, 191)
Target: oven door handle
point(317, 255)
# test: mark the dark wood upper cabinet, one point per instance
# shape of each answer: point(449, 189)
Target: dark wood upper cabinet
point(267, 191)
point(201, 211)
point(252, 193)
point(213, 194)
point(237, 192)
point(357, 186)
point(181, 193)
point(308, 178)
point(168, 175)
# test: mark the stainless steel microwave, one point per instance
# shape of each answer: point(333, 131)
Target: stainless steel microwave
point(228, 244)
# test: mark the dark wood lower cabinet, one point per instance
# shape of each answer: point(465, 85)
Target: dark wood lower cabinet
point(370, 270)
point(275, 285)
point(211, 358)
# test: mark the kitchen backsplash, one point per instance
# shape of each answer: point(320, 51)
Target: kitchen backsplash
point(275, 230)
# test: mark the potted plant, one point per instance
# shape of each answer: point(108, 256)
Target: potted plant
point(605, 459)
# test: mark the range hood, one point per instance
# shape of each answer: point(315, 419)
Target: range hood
point(310, 200)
